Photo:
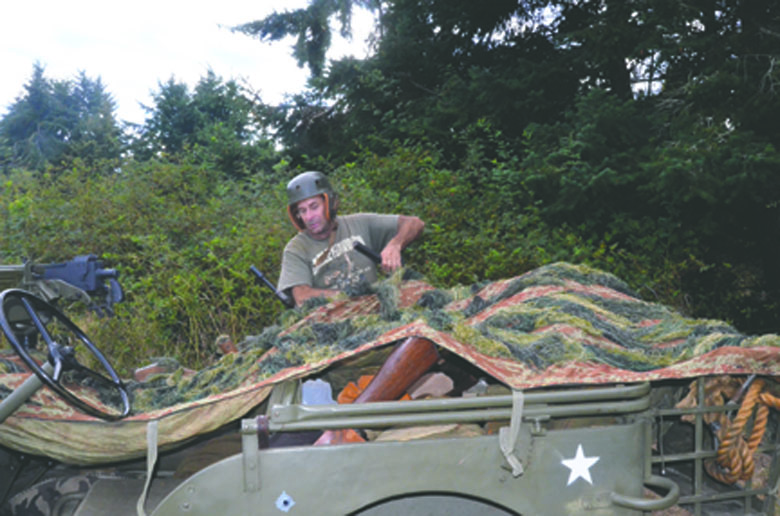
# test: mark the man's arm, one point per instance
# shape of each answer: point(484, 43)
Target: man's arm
point(303, 292)
point(409, 229)
point(296, 277)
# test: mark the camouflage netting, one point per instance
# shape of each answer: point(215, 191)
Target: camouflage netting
point(557, 325)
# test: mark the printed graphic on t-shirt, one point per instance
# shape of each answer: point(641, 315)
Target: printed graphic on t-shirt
point(336, 267)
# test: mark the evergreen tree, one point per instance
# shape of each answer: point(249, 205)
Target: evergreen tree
point(33, 126)
point(440, 66)
point(171, 121)
point(55, 122)
point(95, 134)
point(214, 123)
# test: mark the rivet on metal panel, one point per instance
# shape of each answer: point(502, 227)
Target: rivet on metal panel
point(285, 502)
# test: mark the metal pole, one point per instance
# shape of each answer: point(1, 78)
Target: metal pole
point(21, 394)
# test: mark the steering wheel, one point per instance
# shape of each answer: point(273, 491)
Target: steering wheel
point(27, 317)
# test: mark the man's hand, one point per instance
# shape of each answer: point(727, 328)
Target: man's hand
point(391, 257)
point(409, 228)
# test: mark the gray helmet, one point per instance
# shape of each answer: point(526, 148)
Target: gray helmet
point(305, 185)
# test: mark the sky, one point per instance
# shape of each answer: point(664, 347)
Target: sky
point(134, 46)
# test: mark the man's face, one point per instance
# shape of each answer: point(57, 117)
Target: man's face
point(312, 213)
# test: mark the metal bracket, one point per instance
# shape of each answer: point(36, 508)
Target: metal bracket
point(250, 452)
point(508, 436)
point(151, 462)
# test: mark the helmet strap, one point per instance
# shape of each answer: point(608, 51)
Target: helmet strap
point(291, 212)
point(326, 198)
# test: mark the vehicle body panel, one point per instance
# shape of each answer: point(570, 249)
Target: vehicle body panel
point(343, 479)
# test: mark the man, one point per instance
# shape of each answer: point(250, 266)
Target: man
point(321, 261)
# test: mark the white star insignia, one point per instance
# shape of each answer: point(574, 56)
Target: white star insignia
point(579, 466)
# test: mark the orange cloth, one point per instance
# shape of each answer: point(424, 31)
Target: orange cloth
point(350, 393)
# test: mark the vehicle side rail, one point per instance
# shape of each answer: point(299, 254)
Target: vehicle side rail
point(597, 401)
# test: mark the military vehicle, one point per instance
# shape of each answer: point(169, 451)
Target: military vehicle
point(500, 438)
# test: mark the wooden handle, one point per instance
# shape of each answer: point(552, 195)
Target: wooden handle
point(405, 365)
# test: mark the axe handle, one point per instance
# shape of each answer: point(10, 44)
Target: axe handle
point(405, 365)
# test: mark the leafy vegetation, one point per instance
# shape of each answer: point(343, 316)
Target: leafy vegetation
point(640, 140)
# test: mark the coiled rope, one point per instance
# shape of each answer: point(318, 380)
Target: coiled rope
point(734, 459)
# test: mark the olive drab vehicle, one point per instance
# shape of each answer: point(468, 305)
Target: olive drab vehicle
point(430, 419)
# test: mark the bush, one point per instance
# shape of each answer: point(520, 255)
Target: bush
point(181, 239)
point(183, 236)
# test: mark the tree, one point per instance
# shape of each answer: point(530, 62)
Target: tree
point(58, 121)
point(95, 134)
point(170, 123)
point(441, 65)
point(311, 26)
point(33, 124)
point(648, 127)
point(214, 123)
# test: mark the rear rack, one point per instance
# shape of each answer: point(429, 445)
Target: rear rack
point(702, 491)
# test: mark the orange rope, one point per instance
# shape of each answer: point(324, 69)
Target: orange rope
point(734, 459)
point(770, 401)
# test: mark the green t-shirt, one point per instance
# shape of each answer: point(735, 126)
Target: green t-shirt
point(307, 261)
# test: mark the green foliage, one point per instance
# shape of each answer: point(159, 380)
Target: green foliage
point(182, 238)
point(482, 223)
point(56, 122)
point(212, 126)
point(311, 26)
point(515, 136)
